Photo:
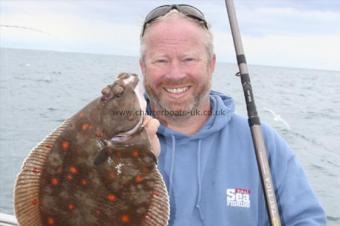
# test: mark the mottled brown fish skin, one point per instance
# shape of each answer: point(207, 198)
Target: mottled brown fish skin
point(118, 191)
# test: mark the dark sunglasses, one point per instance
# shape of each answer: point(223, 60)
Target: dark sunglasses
point(187, 10)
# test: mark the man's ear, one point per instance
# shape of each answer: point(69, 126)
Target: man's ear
point(212, 63)
point(142, 65)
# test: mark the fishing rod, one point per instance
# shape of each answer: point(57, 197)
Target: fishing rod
point(254, 120)
point(24, 28)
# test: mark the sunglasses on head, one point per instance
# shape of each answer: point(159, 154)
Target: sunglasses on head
point(187, 10)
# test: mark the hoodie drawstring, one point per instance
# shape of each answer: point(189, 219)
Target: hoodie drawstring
point(172, 163)
point(171, 180)
point(198, 173)
point(199, 180)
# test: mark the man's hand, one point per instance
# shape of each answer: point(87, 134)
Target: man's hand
point(151, 125)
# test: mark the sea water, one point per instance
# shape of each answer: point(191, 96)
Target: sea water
point(40, 89)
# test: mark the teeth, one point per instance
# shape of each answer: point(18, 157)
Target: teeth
point(177, 90)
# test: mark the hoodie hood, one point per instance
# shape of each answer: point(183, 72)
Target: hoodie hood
point(223, 108)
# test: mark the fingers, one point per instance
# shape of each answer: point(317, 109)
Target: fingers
point(151, 126)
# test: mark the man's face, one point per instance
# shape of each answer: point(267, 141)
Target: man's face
point(176, 67)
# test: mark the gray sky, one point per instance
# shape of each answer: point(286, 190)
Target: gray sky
point(291, 33)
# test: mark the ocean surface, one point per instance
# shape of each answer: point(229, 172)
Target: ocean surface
point(39, 89)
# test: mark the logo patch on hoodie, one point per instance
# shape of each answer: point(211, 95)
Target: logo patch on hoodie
point(238, 197)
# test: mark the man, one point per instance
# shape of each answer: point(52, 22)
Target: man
point(207, 160)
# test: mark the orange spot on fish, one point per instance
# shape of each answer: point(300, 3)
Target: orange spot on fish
point(35, 202)
point(54, 181)
point(111, 197)
point(71, 206)
point(85, 126)
point(73, 170)
point(84, 182)
point(138, 178)
point(65, 145)
point(125, 218)
point(135, 153)
point(50, 221)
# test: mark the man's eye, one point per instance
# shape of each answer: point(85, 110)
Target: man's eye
point(161, 61)
point(189, 59)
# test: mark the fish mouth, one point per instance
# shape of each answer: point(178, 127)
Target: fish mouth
point(117, 141)
point(124, 136)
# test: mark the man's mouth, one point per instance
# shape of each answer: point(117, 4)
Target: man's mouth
point(177, 90)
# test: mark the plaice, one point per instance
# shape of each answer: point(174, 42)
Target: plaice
point(59, 184)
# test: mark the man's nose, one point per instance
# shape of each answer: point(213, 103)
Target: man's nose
point(176, 71)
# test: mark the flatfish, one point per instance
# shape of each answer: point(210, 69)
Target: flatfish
point(95, 169)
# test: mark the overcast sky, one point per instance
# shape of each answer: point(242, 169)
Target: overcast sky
point(290, 33)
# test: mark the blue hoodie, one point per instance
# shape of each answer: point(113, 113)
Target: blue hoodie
point(213, 180)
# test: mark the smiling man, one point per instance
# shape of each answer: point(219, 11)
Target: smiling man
point(178, 63)
point(207, 160)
